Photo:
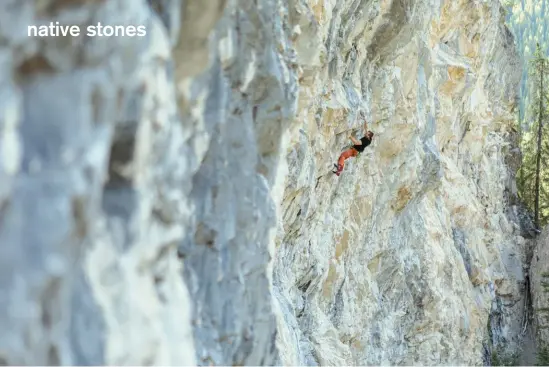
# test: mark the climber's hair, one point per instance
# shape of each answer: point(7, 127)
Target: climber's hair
point(370, 134)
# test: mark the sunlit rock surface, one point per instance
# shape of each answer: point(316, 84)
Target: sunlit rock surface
point(168, 200)
point(411, 255)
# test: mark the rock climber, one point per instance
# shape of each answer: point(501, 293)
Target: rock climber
point(355, 150)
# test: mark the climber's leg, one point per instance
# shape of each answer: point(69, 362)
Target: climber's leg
point(351, 152)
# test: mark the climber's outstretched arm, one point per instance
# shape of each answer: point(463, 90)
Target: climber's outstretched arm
point(365, 125)
point(355, 142)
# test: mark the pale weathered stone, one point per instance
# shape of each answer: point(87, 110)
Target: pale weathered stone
point(168, 200)
point(89, 273)
point(394, 262)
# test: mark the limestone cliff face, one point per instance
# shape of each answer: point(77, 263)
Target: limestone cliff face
point(410, 254)
point(136, 181)
point(93, 179)
point(167, 199)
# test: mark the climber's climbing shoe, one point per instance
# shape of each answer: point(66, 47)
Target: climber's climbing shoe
point(338, 169)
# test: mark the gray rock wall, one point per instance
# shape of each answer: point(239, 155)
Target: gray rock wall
point(167, 200)
point(539, 288)
point(95, 166)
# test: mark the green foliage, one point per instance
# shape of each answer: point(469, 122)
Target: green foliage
point(531, 147)
point(543, 357)
point(545, 284)
point(502, 360)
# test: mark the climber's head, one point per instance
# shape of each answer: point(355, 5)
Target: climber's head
point(370, 135)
